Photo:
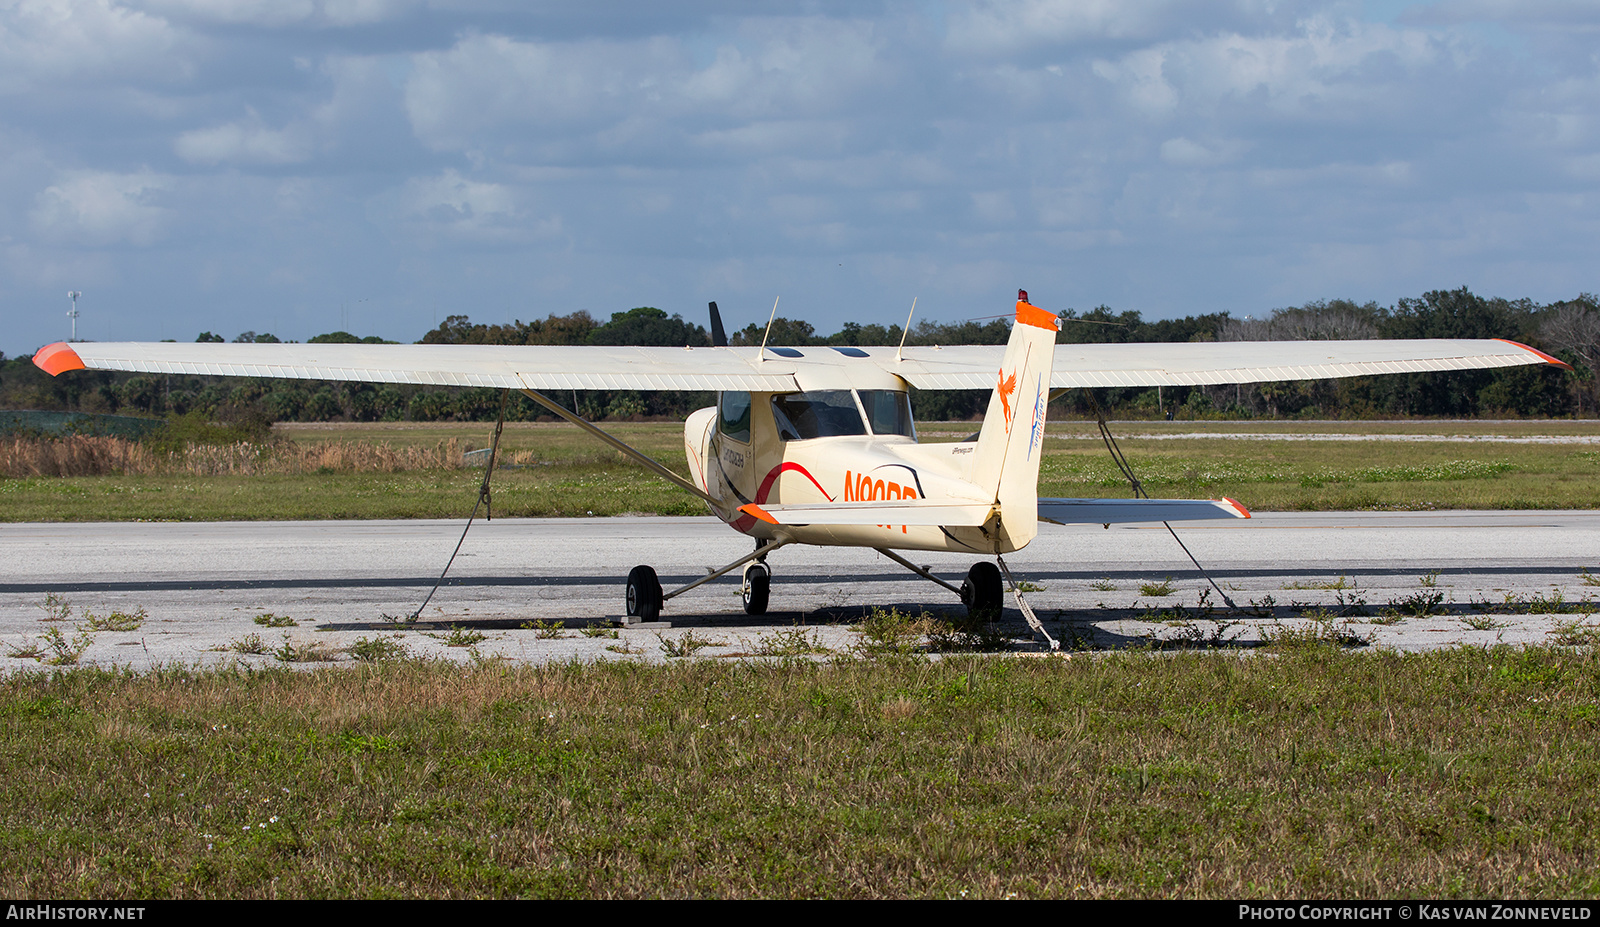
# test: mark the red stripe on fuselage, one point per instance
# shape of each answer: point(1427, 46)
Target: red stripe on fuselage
point(746, 522)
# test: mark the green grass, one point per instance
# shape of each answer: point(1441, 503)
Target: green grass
point(571, 475)
point(1312, 773)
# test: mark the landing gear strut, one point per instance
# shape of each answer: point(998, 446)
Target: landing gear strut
point(646, 597)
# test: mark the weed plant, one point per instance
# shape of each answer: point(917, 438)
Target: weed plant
point(892, 631)
point(313, 651)
point(1322, 633)
point(55, 608)
point(1575, 634)
point(250, 643)
point(460, 637)
point(790, 642)
point(377, 650)
point(1157, 590)
point(116, 621)
point(685, 644)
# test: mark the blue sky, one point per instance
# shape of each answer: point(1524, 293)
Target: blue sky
point(298, 166)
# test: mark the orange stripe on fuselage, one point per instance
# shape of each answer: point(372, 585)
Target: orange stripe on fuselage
point(756, 511)
point(56, 359)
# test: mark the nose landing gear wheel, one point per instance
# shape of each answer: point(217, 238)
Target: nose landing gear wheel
point(982, 592)
point(644, 594)
point(757, 585)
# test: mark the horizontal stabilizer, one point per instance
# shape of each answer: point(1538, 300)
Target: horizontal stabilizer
point(940, 514)
point(1123, 511)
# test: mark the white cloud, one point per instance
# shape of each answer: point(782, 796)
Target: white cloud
point(1520, 12)
point(245, 142)
point(48, 41)
point(1001, 28)
point(1142, 78)
point(1186, 152)
point(449, 205)
point(97, 208)
point(646, 95)
point(280, 13)
point(1321, 67)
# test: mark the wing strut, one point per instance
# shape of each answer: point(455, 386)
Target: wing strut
point(915, 569)
point(648, 462)
point(1138, 490)
point(756, 554)
point(483, 502)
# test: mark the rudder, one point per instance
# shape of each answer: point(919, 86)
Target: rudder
point(1011, 440)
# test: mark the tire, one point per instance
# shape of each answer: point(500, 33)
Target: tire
point(982, 592)
point(644, 594)
point(757, 587)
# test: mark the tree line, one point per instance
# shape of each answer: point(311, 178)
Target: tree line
point(1569, 329)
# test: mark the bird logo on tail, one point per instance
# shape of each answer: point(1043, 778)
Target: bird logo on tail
point(1005, 388)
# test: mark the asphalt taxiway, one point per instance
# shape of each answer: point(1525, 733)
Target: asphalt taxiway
point(202, 586)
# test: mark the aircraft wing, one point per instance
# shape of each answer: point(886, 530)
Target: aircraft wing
point(1125, 511)
point(560, 367)
point(552, 367)
point(1212, 362)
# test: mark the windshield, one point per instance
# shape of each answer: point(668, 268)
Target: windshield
point(735, 415)
point(823, 413)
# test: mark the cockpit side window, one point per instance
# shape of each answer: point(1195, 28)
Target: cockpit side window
point(823, 413)
point(734, 415)
point(889, 412)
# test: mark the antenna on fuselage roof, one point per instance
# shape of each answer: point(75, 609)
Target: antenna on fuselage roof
point(907, 331)
point(763, 354)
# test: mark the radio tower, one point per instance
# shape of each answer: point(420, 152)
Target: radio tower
point(73, 312)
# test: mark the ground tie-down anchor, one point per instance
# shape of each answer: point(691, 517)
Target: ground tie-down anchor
point(1027, 610)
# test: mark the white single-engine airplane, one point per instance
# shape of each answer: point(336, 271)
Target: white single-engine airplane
point(817, 445)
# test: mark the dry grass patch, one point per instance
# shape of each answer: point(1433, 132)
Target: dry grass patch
point(1312, 773)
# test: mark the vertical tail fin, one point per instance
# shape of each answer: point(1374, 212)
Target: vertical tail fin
point(719, 338)
point(1012, 438)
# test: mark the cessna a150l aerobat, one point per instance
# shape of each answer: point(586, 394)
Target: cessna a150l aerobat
point(816, 445)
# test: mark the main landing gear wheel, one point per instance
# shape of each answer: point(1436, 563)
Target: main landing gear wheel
point(757, 585)
point(982, 592)
point(644, 594)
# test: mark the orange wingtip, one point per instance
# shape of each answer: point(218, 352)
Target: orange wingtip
point(756, 511)
point(1547, 358)
point(1241, 509)
point(56, 359)
point(1029, 314)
